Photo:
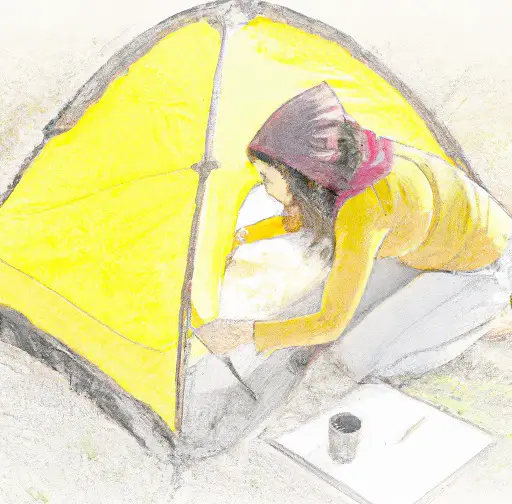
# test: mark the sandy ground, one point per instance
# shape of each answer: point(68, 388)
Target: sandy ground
point(256, 473)
point(55, 447)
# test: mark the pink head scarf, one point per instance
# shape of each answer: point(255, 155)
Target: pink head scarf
point(304, 134)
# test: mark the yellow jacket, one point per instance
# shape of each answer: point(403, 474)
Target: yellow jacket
point(426, 212)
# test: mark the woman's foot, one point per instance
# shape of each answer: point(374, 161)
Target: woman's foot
point(502, 328)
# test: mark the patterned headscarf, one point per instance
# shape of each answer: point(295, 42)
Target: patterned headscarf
point(305, 133)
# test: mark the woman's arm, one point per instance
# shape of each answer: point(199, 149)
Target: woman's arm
point(360, 228)
point(266, 229)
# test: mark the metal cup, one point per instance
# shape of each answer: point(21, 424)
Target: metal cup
point(344, 435)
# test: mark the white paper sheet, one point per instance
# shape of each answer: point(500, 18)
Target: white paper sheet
point(387, 470)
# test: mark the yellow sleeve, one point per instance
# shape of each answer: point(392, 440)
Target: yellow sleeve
point(269, 228)
point(360, 228)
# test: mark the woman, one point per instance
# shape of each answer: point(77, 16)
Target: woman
point(366, 199)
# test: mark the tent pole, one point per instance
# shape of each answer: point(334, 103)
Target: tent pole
point(204, 167)
point(185, 308)
point(230, 16)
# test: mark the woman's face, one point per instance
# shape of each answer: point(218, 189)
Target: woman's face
point(275, 184)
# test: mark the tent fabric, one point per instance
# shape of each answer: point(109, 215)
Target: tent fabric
point(120, 62)
point(95, 236)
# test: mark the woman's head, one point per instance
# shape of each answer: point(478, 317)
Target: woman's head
point(313, 156)
point(276, 174)
point(315, 203)
point(307, 133)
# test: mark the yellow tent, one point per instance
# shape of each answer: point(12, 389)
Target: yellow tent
point(136, 188)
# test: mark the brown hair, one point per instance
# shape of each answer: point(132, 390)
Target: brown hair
point(316, 202)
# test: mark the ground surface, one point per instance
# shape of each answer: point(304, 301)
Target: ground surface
point(475, 387)
point(56, 448)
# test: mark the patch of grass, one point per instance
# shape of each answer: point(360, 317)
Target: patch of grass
point(39, 496)
point(90, 450)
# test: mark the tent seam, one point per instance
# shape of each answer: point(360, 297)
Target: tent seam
point(80, 309)
point(91, 195)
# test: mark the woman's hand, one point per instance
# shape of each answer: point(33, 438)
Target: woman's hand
point(240, 236)
point(221, 336)
point(239, 239)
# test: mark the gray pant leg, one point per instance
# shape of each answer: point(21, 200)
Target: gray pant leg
point(412, 330)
